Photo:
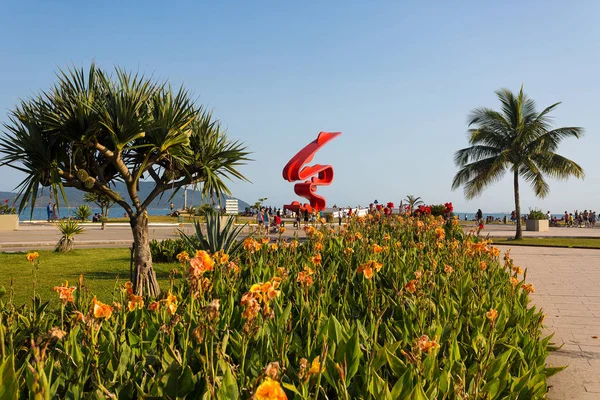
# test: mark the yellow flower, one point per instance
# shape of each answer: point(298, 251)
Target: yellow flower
point(514, 281)
point(171, 303)
point(183, 257)
point(281, 230)
point(448, 269)
point(348, 251)
point(202, 263)
point(221, 257)
point(440, 234)
point(270, 390)
point(315, 366)
point(482, 265)
point(316, 259)
point(31, 257)
point(318, 246)
point(492, 315)
point(376, 249)
point(101, 310)
point(273, 247)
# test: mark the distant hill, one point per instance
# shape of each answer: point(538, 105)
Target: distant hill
point(75, 197)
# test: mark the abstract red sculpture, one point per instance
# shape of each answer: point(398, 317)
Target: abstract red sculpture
point(320, 175)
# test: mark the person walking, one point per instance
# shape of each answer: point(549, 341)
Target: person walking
point(298, 219)
point(54, 213)
point(49, 211)
point(266, 221)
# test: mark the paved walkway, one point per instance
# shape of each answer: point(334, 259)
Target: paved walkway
point(567, 283)
point(501, 230)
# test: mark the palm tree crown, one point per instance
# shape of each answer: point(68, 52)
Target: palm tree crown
point(518, 138)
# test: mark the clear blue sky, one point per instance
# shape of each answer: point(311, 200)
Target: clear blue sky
point(398, 80)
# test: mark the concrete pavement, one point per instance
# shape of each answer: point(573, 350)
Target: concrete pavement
point(567, 283)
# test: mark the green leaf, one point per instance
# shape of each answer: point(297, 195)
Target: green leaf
point(353, 355)
point(492, 388)
point(9, 389)
point(228, 389)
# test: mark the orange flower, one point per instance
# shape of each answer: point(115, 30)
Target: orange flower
point(386, 237)
point(128, 288)
point(411, 286)
point(171, 303)
point(250, 301)
point(348, 251)
point(273, 247)
point(518, 270)
point(183, 257)
point(281, 230)
point(448, 269)
point(440, 234)
point(482, 265)
point(305, 277)
point(358, 236)
point(418, 274)
point(135, 302)
point(270, 390)
point(316, 259)
point(31, 257)
point(492, 315)
point(376, 249)
point(367, 268)
point(514, 281)
point(101, 310)
point(318, 246)
point(154, 306)
point(233, 267)
point(425, 344)
point(495, 251)
point(200, 264)
point(251, 245)
point(528, 287)
point(221, 257)
point(65, 293)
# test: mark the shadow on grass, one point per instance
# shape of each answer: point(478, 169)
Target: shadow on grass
point(120, 275)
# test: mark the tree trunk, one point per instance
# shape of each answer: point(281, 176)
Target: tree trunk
point(519, 234)
point(144, 277)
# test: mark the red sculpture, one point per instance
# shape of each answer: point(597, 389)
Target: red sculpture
point(319, 175)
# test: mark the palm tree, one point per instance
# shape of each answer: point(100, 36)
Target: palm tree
point(413, 202)
point(518, 139)
point(92, 129)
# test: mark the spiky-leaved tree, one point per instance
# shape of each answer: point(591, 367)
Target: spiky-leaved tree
point(518, 139)
point(92, 129)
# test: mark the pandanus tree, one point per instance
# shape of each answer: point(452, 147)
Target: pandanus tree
point(518, 139)
point(92, 129)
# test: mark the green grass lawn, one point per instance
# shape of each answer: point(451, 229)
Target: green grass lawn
point(551, 242)
point(100, 269)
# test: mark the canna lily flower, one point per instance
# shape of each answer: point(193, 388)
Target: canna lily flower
point(514, 281)
point(270, 389)
point(128, 288)
point(315, 366)
point(418, 274)
point(316, 259)
point(273, 247)
point(221, 257)
point(492, 315)
point(376, 249)
point(386, 237)
point(200, 264)
point(171, 303)
point(65, 293)
point(31, 257)
point(482, 265)
point(425, 344)
point(101, 310)
point(440, 234)
point(183, 257)
point(135, 302)
point(528, 287)
point(448, 269)
point(518, 270)
point(348, 251)
point(281, 230)
point(318, 246)
point(305, 277)
point(411, 286)
point(154, 306)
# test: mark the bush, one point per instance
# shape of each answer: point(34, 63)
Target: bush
point(328, 217)
point(537, 214)
point(166, 250)
point(83, 212)
point(397, 309)
point(6, 209)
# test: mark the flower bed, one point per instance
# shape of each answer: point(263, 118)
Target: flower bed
point(387, 308)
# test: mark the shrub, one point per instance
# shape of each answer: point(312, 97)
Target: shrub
point(537, 214)
point(6, 209)
point(68, 228)
point(83, 212)
point(397, 309)
point(217, 238)
point(165, 251)
point(328, 217)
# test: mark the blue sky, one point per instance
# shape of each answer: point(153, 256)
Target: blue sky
point(397, 79)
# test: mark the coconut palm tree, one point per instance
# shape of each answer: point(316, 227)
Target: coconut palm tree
point(517, 139)
point(92, 129)
point(413, 201)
